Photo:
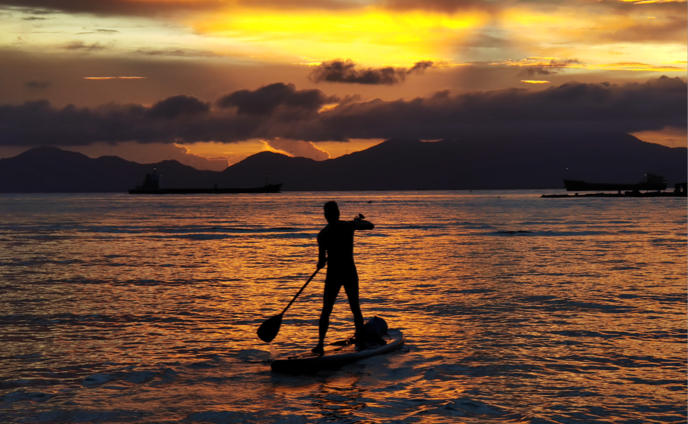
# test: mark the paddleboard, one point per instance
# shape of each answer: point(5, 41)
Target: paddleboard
point(338, 357)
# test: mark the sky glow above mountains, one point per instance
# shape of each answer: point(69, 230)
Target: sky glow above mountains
point(218, 78)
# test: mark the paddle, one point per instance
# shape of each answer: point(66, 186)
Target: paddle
point(269, 329)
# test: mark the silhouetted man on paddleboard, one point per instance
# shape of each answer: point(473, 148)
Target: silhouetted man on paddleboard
point(336, 249)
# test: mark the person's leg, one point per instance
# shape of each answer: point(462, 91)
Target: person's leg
point(351, 289)
point(329, 297)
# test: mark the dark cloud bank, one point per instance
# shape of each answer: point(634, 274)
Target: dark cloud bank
point(280, 110)
point(347, 71)
point(553, 67)
point(265, 100)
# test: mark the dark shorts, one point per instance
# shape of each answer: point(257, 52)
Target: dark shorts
point(338, 278)
point(341, 276)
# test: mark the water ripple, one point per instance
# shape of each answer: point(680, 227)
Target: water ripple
point(123, 309)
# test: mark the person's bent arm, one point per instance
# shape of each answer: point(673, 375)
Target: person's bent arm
point(362, 224)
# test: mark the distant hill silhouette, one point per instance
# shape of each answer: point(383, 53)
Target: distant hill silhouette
point(52, 170)
point(487, 161)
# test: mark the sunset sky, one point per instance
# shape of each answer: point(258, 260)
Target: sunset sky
point(198, 80)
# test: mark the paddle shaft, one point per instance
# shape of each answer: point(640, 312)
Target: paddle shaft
point(297, 294)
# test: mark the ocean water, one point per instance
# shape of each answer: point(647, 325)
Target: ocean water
point(118, 308)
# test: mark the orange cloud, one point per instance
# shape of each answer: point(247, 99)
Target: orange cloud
point(113, 78)
point(667, 136)
point(637, 66)
point(535, 66)
point(297, 148)
point(652, 1)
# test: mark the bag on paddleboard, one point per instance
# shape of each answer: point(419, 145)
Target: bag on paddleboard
point(374, 330)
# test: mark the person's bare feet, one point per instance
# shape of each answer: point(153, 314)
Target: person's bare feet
point(318, 350)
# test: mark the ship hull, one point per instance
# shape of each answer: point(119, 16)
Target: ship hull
point(575, 185)
point(270, 188)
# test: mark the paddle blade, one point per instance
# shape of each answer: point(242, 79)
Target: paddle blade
point(269, 329)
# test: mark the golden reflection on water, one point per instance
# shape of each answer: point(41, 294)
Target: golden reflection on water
point(515, 308)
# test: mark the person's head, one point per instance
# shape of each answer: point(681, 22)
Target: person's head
point(331, 211)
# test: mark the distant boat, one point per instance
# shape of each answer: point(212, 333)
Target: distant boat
point(649, 182)
point(151, 185)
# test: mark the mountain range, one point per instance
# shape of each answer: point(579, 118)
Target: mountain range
point(487, 161)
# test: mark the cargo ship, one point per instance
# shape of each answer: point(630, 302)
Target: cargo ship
point(151, 185)
point(649, 182)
